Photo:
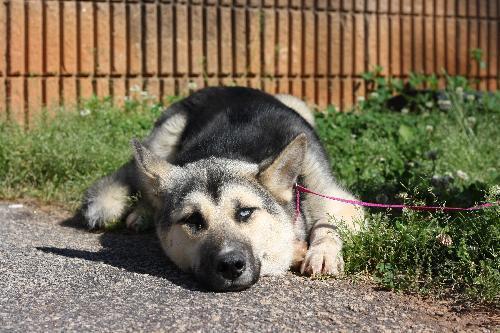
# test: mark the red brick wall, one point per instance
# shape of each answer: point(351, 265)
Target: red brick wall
point(58, 51)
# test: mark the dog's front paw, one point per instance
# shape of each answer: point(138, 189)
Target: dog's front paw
point(323, 258)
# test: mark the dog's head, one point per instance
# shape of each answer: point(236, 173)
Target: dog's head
point(227, 221)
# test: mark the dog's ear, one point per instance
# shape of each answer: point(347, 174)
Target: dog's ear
point(279, 176)
point(152, 168)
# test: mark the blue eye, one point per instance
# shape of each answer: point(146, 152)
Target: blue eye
point(243, 214)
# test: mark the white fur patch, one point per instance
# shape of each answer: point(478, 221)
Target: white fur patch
point(164, 139)
point(298, 106)
point(106, 203)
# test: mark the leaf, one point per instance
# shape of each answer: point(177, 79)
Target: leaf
point(406, 133)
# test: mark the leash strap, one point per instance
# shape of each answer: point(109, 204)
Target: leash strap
point(300, 188)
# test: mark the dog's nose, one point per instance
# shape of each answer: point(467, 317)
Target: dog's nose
point(231, 265)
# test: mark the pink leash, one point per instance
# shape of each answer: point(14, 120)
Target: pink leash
point(299, 188)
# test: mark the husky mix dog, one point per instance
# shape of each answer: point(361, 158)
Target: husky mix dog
point(217, 172)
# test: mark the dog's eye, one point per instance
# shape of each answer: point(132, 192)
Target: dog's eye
point(195, 222)
point(243, 214)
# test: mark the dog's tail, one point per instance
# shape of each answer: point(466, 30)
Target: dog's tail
point(298, 106)
point(109, 198)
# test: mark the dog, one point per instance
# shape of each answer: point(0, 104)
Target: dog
point(217, 173)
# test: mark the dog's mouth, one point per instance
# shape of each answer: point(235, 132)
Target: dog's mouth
point(233, 268)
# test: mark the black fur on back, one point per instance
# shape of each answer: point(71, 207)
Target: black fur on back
point(237, 123)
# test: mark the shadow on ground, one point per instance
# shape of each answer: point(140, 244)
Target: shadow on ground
point(134, 252)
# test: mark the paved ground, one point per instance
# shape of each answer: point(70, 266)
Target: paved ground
point(59, 278)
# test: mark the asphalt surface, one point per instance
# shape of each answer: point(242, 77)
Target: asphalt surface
point(54, 277)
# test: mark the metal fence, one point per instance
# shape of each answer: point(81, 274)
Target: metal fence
point(60, 51)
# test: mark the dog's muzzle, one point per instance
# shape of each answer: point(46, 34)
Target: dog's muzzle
point(230, 268)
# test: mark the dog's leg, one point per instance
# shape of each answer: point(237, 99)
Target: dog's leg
point(324, 255)
point(110, 198)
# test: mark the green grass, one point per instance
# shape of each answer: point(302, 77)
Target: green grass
point(419, 156)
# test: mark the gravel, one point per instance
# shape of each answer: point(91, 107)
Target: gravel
point(55, 277)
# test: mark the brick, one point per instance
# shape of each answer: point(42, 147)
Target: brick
point(103, 39)
point(35, 98)
point(52, 46)
point(87, 64)
point(197, 39)
point(418, 42)
point(168, 85)
point(406, 6)
point(395, 8)
point(359, 44)
point(151, 39)
point(283, 46)
point(297, 88)
point(17, 101)
point(135, 39)
point(451, 51)
point(211, 40)
point(493, 84)
point(347, 5)
point(462, 8)
point(335, 92)
point(322, 44)
point(152, 86)
point(270, 43)
point(372, 39)
point(3, 49)
point(451, 7)
point(335, 44)
point(493, 8)
point(396, 51)
point(119, 39)
point(429, 46)
point(440, 45)
point(335, 4)
point(309, 91)
point(226, 46)
point(69, 92)
point(4, 116)
point(383, 6)
point(167, 41)
point(493, 29)
point(310, 41)
point(35, 37)
point(119, 89)
point(483, 45)
point(418, 7)
point(181, 40)
point(406, 47)
point(52, 97)
point(16, 38)
point(283, 86)
point(85, 89)
point(359, 5)
point(440, 8)
point(347, 94)
point(463, 52)
point(359, 90)
point(348, 39)
point(255, 83)
point(429, 7)
point(473, 44)
point(472, 10)
point(69, 38)
point(102, 87)
point(371, 6)
point(384, 46)
point(322, 92)
point(296, 48)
